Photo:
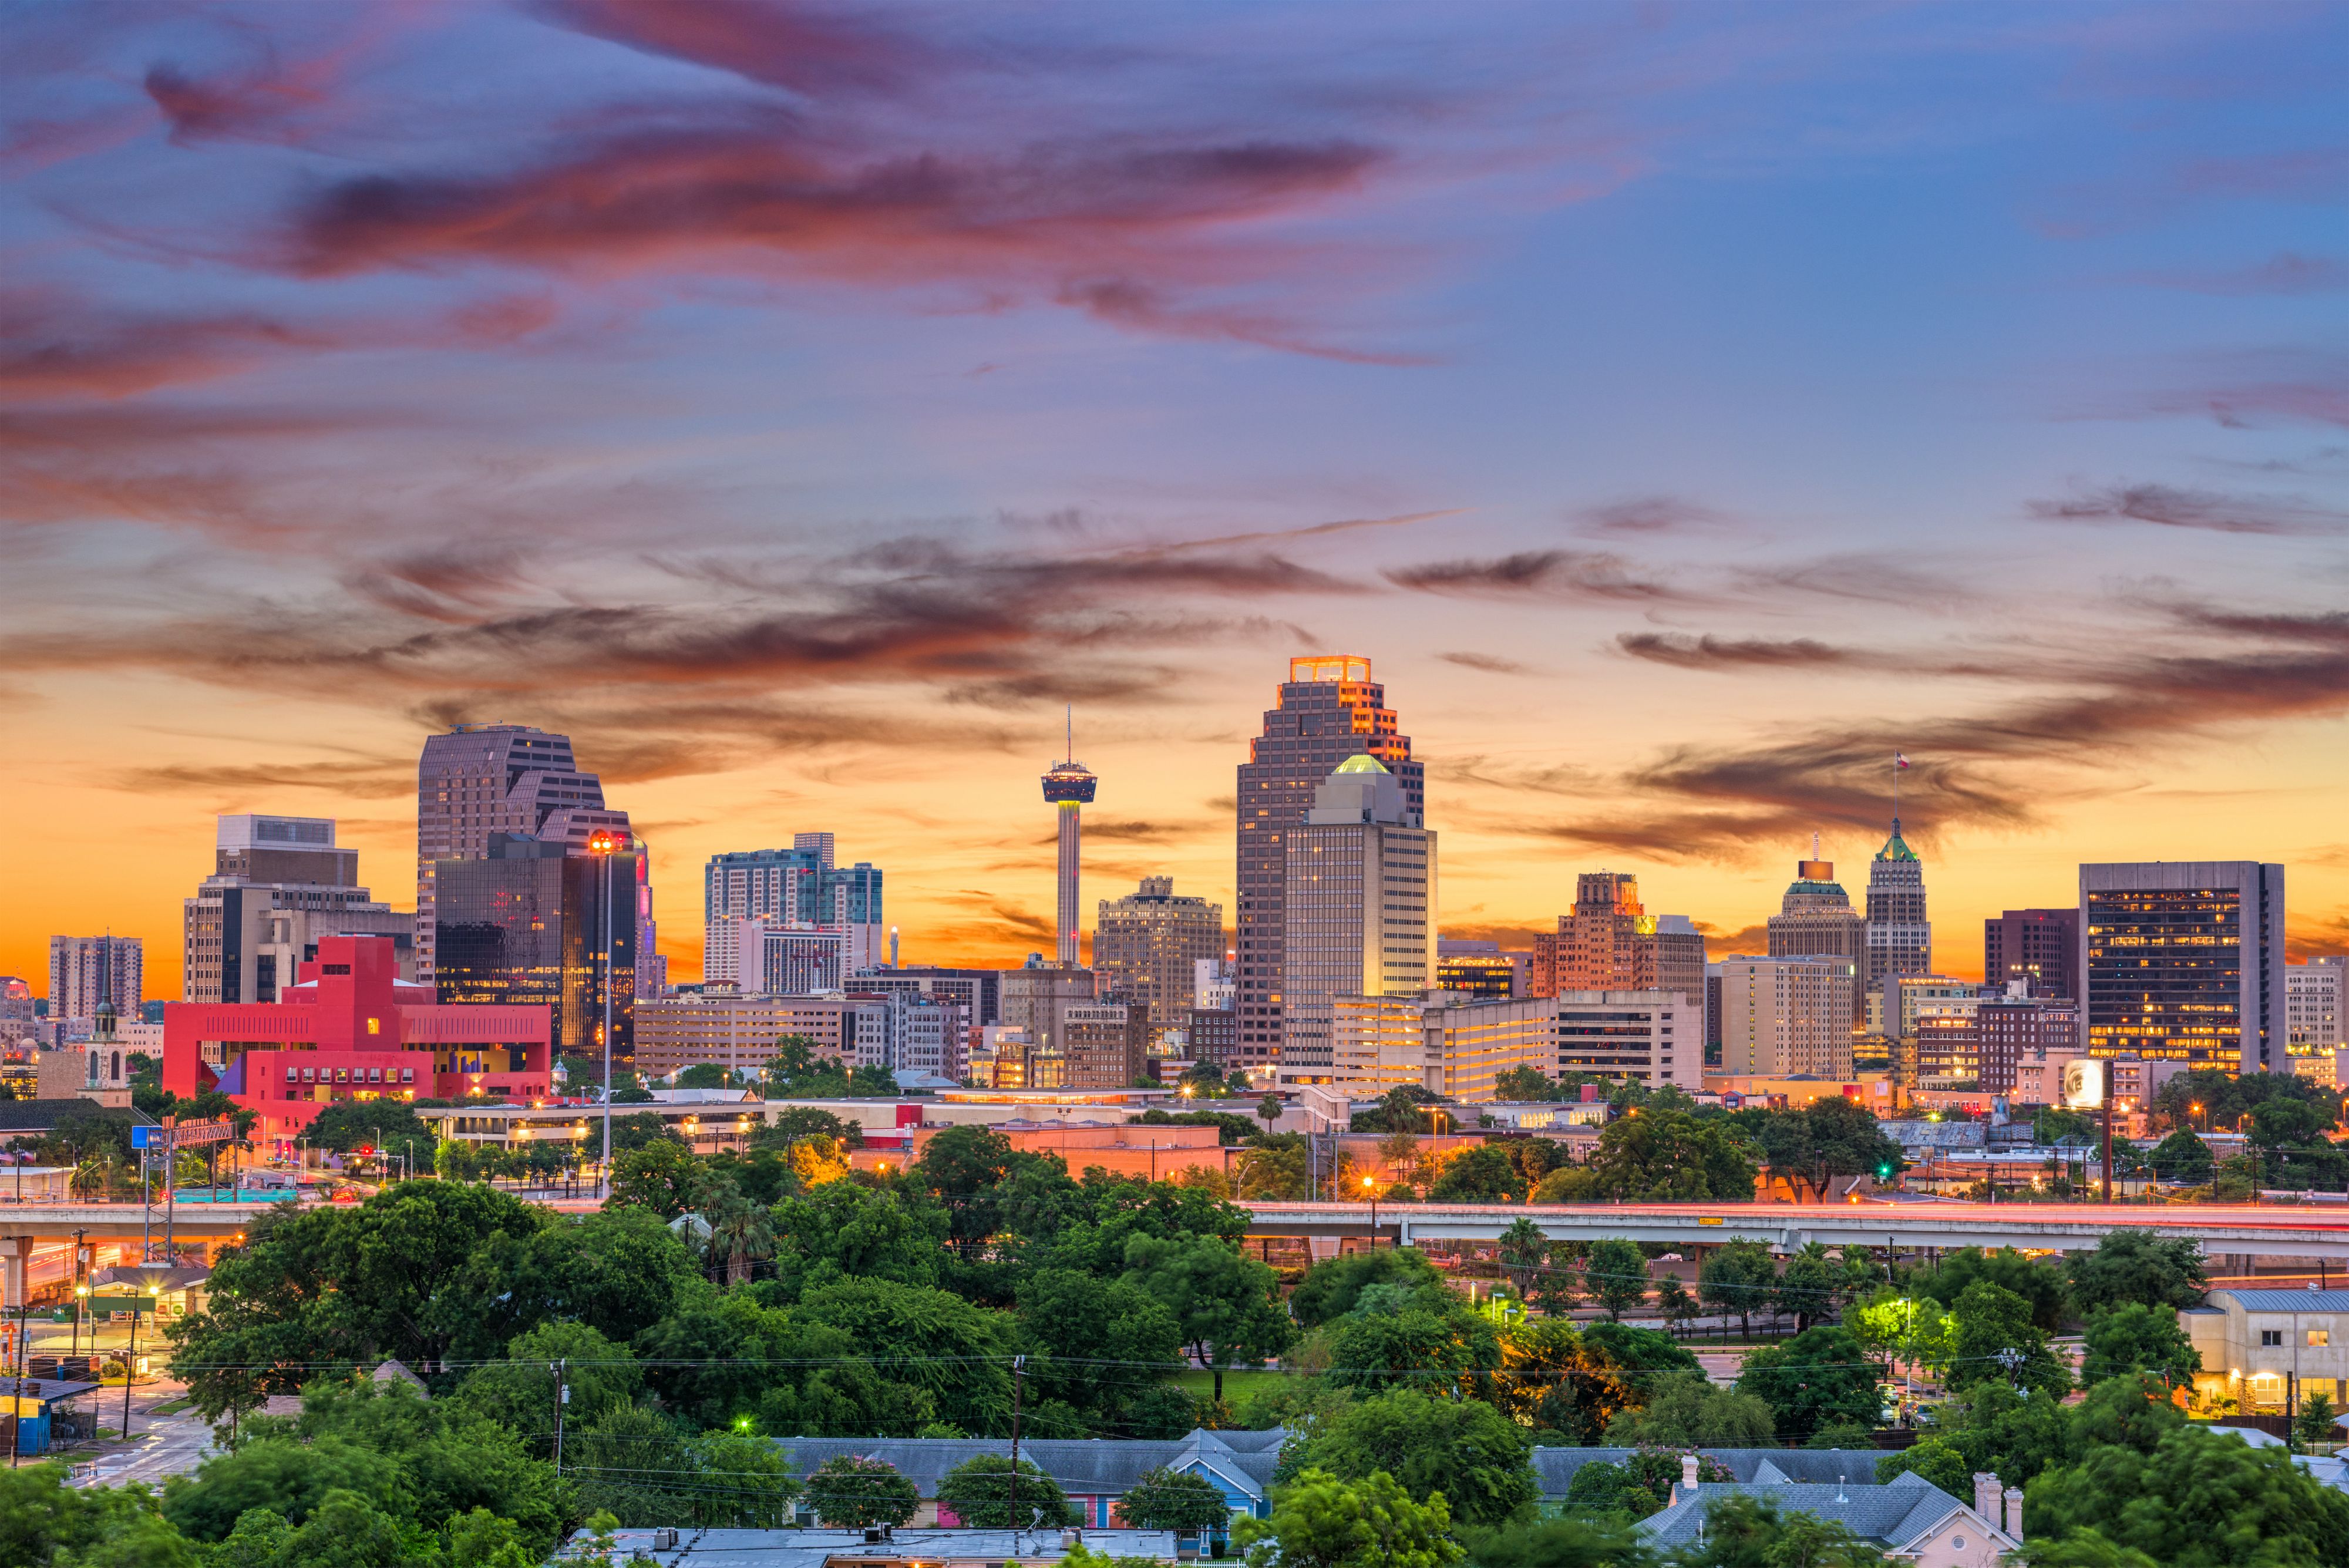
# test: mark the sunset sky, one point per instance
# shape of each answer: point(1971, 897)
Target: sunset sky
point(1684, 407)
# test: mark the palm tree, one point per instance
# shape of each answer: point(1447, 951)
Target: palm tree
point(739, 1229)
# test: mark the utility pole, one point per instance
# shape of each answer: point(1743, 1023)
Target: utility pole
point(1019, 1367)
point(562, 1397)
point(2108, 1130)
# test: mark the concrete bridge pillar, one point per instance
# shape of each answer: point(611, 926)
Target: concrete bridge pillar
point(15, 1256)
point(1323, 1247)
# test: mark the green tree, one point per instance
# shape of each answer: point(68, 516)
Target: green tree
point(1663, 1155)
point(1675, 1302)
point(1483, 1174)
point(1321, 1521)
point(1995, 1338)
point(741, 1231)
point(1461, 1449)
point(346, 1531)
point(1525, 1084)
point(1162, 1498)
point(1615, 1272)
point(2137, 1338)
point(1332, 1287)
point(2139, 1266)
point(982, 1493)
point(2039, 1282)
point(1822, 1376)
point(955, 1352)
point(1689, 1410)
point(2129, 1411)
point(841, 1230)
point(1826, 1139)
point(521, 1391)
point(704, 1075)
point(1224, 1302)
point(2199, 1501)
point(663, 1175)
point(1742, 1531)
point(1456, 1350)
point(797, 1122)
point(1812, 1286)
point(2183, 1158)
point(1565, 1542)
point(479, 1539)
point(1071, 1323)
point(390, 1126)
point(1738, 1277)
point(1522, 1250)
point(850, 1489)
point(2314, 1422)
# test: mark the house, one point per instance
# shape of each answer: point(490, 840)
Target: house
point(2326, 1471)
point(1554, 1468)
point(903, 1547)
point(1909, 1518)
point(2268, 1350)
point(1094, 1472)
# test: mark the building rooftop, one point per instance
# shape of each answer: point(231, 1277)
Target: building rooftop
point(2288, 1301)
point(814, 1548)
point(1895, 1513)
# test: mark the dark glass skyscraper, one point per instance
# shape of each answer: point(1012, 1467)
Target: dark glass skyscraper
point(530, 924)
point(1327, 710)
point(2183, 961)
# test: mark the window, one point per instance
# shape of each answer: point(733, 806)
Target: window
point(2319, 1337)
point(2271, 1336)
point(407, 1075)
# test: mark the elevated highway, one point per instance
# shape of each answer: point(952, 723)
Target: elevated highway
point(2312, 1233)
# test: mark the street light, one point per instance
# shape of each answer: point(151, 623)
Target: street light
point(1371, 1187)
point(601, 844)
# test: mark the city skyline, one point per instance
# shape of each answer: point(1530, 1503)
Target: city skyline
point(1682, 413)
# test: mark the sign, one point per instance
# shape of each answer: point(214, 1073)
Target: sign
point(184, 1135)
point(2084, 1082)
point(1709, 1222)
point(121, 1300)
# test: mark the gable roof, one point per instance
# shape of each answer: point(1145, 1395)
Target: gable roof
point(1554, 1468)
point(1097, 1467)
point(2288, 1301)
point(1897, 1513)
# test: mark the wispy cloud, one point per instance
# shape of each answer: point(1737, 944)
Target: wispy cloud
point(2168, 506)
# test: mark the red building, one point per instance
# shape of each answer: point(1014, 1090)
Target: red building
point(350, 1029)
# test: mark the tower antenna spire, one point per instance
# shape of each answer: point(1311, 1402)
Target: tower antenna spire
point(1069, 724)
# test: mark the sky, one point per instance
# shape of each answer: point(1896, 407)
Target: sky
point(1684, 407)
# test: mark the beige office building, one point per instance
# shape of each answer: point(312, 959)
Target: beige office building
point(1816, 918)
point(1781, 1017)
point(2313, 1017)
point(1360, 902)
point(737, 1030)
point(1148, 945)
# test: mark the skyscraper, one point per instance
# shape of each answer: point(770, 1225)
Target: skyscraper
point(1900, 937)
point(795, 887)
point(1069, 785)
point(1815, 917)
point(278, 885)
point(1329, 709)
point(2314, 993)
point(2042, 946)
point(531, 923)
point(1609, 943)
point(1782, 1016)
point(1147, 947)
point(86, 970)
point(2183, 961)
point(481, 780)
point(1360, 903)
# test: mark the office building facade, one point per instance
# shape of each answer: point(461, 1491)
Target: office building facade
point(2312, 996)
point(1900, 933)
point(1328, 711)
point(532, 924)
point(1148, 946)
point(738, 1030)
point(478, 782)
point(1645, 1036)
point(1607, 943)
point(1816, 918)
point(798, 887)
point(2042, 946)
point(86, 970)
point(2184, 962)
point(2018, 1030)
point(978, 992)
point(1360, 902)
point(278, 885)
point(1477, 968)
point(1781, 1017)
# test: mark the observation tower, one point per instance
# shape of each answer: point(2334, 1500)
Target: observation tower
point(1069, 785)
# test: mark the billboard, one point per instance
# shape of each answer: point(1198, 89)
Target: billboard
point(2084, 1082)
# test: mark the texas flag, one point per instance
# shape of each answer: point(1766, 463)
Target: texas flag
point(1900, 763)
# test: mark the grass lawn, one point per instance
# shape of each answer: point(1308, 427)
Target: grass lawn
point(1239, 1385)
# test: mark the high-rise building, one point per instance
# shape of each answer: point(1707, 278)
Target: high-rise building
point(532, 923)
point(2313, 993)
point(798, 886)
point(1784, 1016)
point(278, 885)
point(1478, 969)
point(1609, 943)
point(1148, 945)
point(2042, 946)
point(1068, 787)
point(86, 970)
point(1815, 918)
point(1649, 1036)
point(975, 990)
point(2018, 1030)
point(1899, 936)
point(1329, 709)
point(1212, 984)
point(482, 780)
point(1360, 902)
point(2183, 961)
point(1679, 971)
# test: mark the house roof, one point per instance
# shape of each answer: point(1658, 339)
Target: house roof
point(1895, 1513)
point(2288, 1301)
point(1089, 1466)
point(814, 1548)
point(1554, 1468)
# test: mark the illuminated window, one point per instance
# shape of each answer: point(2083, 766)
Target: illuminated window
point(375, 1025)
point(2320, 1337)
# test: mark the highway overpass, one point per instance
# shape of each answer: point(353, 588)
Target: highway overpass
point(2313, 1233)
